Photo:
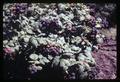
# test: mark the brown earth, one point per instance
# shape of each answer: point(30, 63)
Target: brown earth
point(106, 58)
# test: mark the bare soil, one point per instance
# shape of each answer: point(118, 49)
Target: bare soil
point(106, 59)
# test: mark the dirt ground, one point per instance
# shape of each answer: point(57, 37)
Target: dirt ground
point(106, 58)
